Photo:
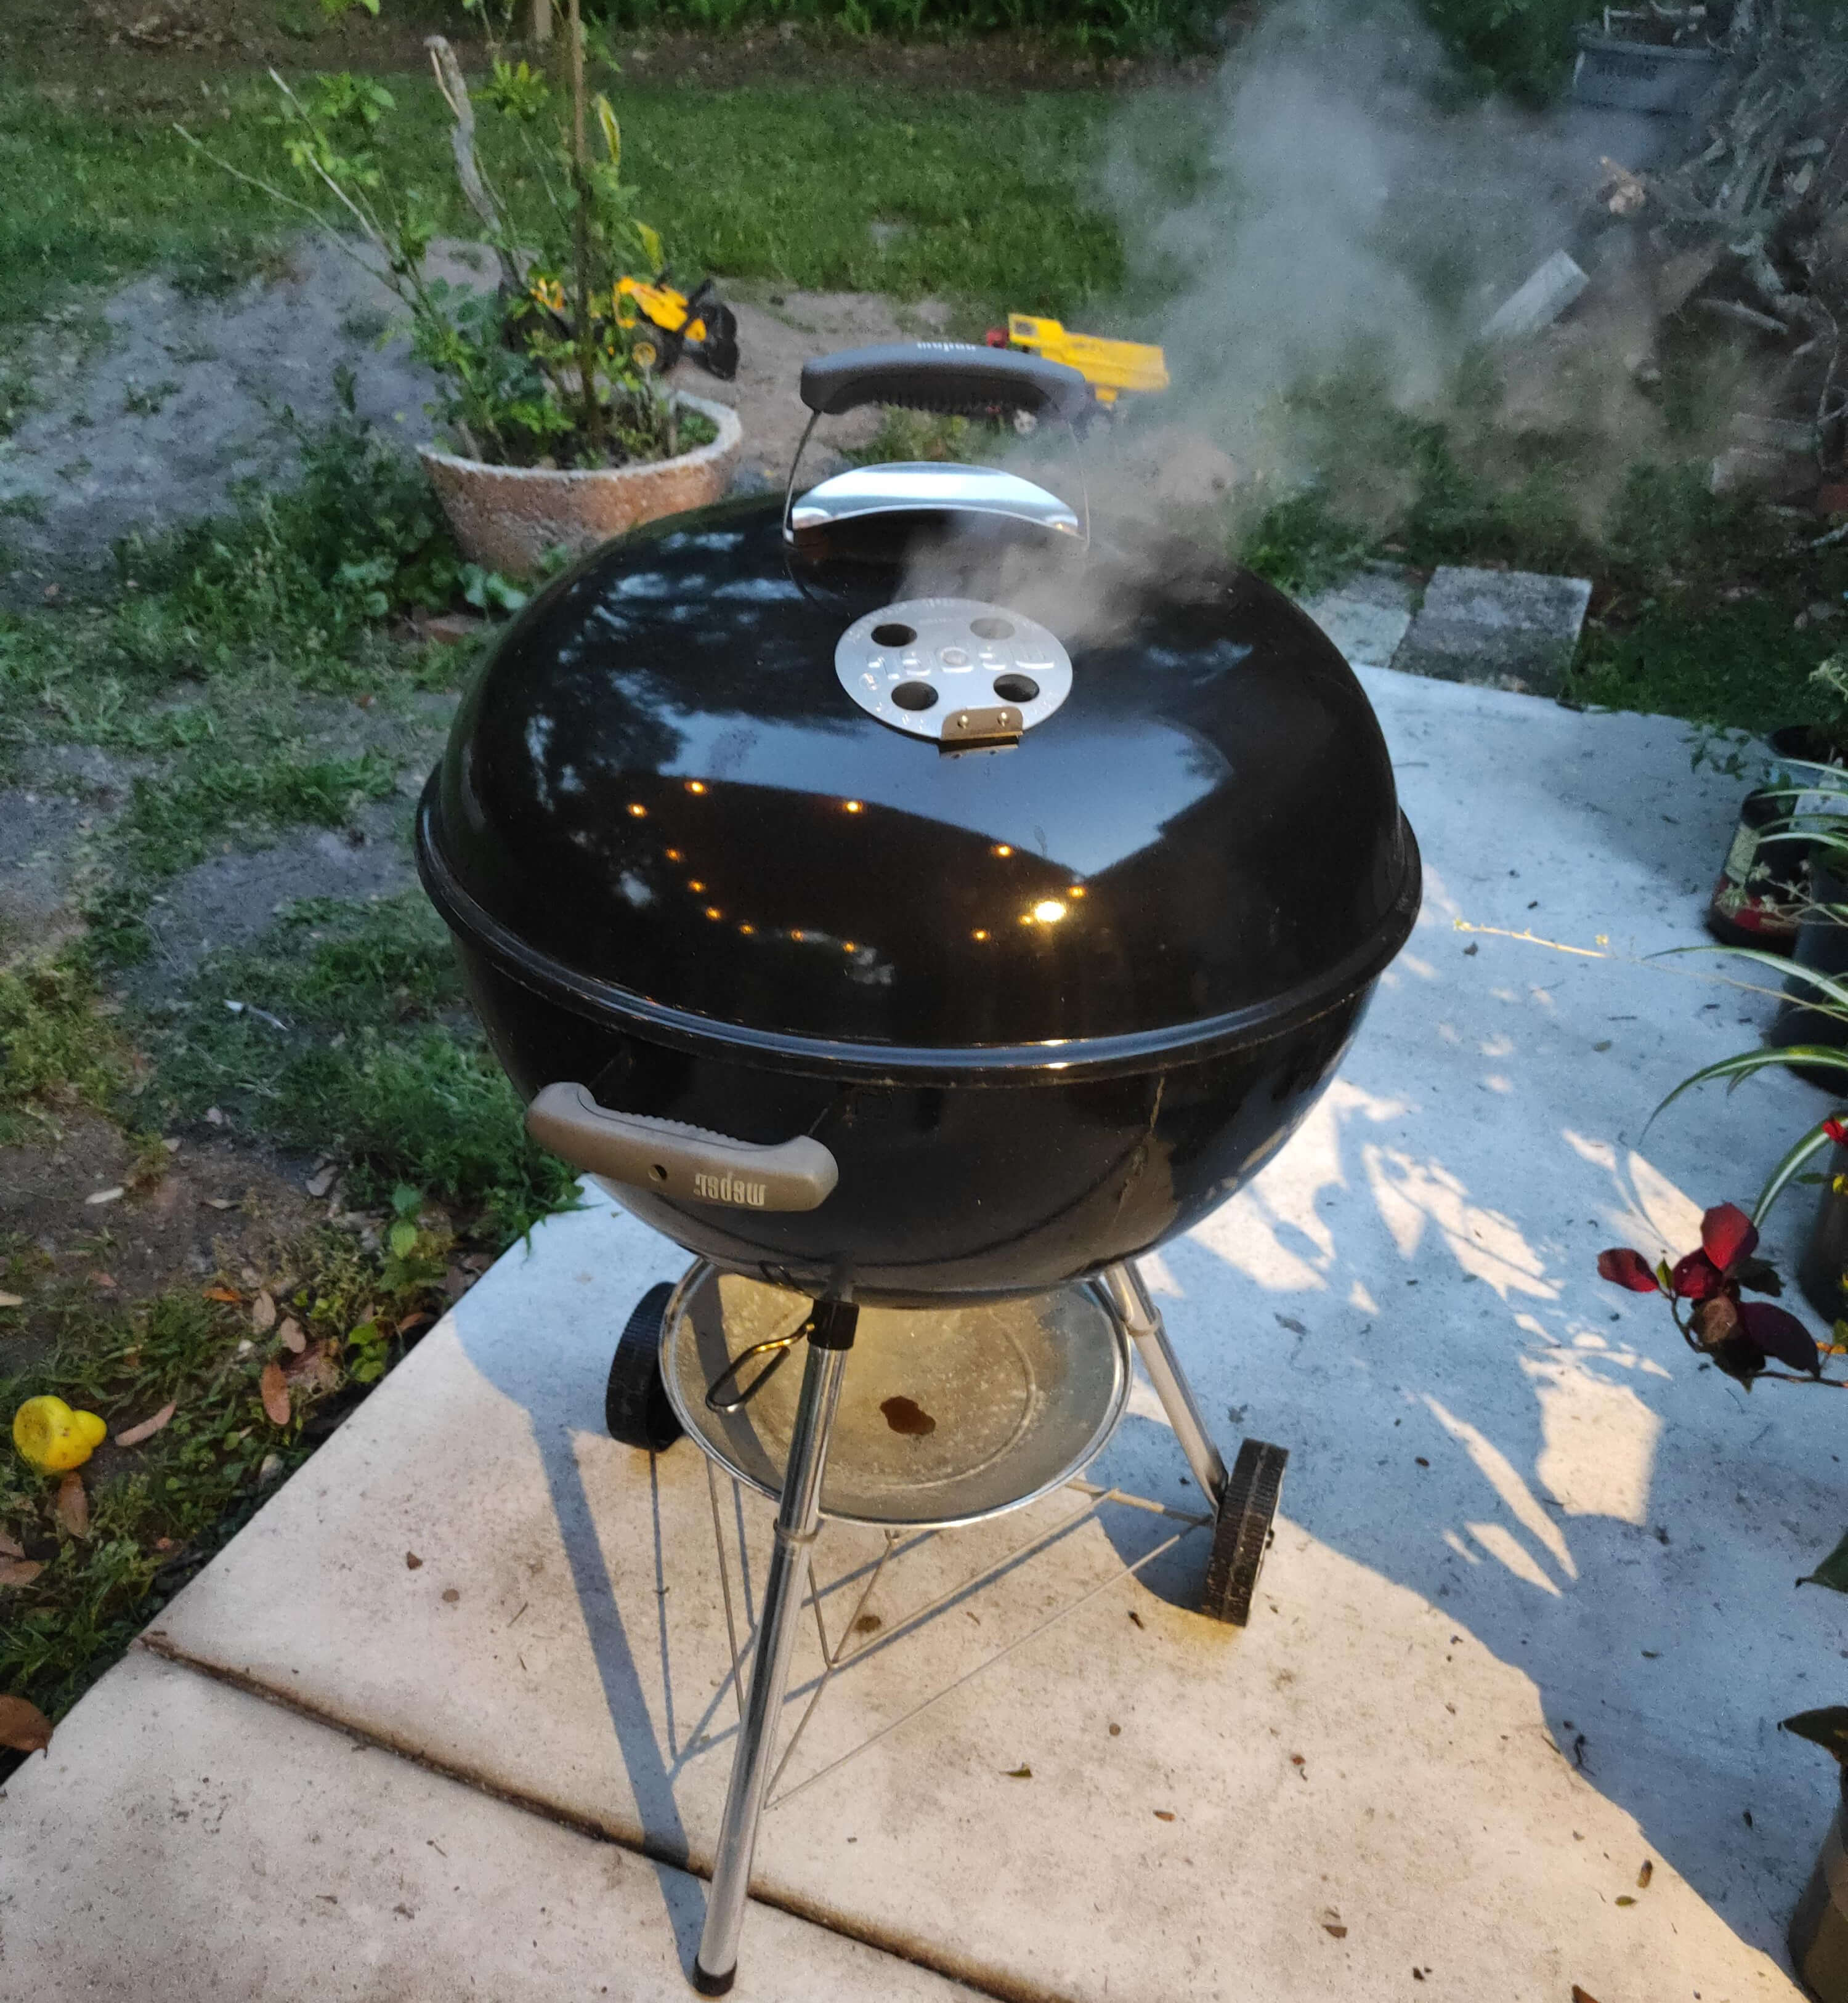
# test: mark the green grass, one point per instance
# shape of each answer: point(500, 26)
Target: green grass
point(378, 1061)
point(774, 182)
point(1094, 27)
point(175, 822)
point(1740, 666)
point(54, 1047)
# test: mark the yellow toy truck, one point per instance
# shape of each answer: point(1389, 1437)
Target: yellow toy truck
point(1111, 368)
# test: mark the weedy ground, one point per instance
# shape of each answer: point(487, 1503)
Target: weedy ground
point(239, 1185)
point(157, 1147)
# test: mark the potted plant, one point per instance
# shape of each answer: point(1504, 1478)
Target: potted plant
point(1815, 754)
point(561, 431)
point(1706, 1291)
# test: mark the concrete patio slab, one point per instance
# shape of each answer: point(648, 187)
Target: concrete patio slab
point(1528, 1623)
point(1504, 629)
point(183, 1841)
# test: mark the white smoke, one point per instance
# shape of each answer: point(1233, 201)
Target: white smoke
point(1356, 212)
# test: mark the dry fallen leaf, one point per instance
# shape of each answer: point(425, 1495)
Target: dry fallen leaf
point(263, 1312)
point(221, 1203)
point(224, 1294)
point(106, 1195)
point(317, 1368)
point(1334, 1928)
point(148, 1428)
point(291, 1335)
point(1624, 1899)
point(321, 1181)
point(274, 1389)
point(73, 1505)
point(12, 1300)
point(9, 1549)
point(412, 1562)
point(103, 1280)
point(1582, 1995)
point(23, 1726)
point(1644, 1875)
point(1164, 1815)
point(19, 1571)
point(415, 1319)
point(1019, 1773)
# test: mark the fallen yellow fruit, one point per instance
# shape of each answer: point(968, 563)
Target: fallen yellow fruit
point(53, 1437)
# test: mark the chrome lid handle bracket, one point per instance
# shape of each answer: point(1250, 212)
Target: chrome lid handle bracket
point(956, 377)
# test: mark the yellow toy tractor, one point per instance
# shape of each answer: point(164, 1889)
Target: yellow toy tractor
point(700, 326)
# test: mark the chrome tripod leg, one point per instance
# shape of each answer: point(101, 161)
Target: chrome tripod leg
point(1129, 1300)
point(798, 1517)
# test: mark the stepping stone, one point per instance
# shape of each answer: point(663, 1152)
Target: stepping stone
point(1366, 615)
point(1505, 629)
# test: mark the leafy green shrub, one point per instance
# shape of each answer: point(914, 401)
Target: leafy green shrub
point(360, 536)
point(1523, 48)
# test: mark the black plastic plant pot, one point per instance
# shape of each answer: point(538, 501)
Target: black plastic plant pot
point(1764, 881)
point(1799, 751)
point(1818, 1931)
point(914, 889)
point(1822, 945)
point(1824, 1261)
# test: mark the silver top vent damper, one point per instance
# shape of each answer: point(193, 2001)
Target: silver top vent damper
point(965, 675)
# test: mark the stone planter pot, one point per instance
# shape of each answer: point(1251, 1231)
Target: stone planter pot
point(1822, 945)
point(507, 517)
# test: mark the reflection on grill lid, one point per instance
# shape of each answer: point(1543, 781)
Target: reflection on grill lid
point(659, 783)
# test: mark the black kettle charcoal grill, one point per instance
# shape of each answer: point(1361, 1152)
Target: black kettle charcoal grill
point(911, 904)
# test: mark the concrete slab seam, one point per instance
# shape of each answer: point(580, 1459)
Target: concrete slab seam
point(950, 1968)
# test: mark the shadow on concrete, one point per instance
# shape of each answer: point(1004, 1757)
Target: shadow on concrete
point(560, 1402)
point(1472, 1415)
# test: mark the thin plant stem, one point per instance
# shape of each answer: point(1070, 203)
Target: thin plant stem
point(580, 176)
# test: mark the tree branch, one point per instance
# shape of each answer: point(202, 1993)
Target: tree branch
point(454, 87)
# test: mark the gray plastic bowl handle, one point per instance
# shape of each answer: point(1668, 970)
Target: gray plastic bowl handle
point(688, 1163)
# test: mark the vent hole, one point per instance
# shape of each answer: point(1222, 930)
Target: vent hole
point(990, 628)
point(657, 1173)
point(1016, 688)
point(894, 635)
point(915, 695)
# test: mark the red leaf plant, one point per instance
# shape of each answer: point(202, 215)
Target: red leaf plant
point(1737, 1336)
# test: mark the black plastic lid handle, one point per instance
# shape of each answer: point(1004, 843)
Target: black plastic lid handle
point(955, 377)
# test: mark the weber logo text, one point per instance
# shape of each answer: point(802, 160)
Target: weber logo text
point(729, 1189)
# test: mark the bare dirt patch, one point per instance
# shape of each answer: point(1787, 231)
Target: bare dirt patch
point(157, 426)
point(206, 1205)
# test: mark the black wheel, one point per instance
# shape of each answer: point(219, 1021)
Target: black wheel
point(1241, 1534)
point(635, 1407)
point(718, 354)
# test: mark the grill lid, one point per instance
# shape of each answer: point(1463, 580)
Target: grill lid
point(661, 791)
